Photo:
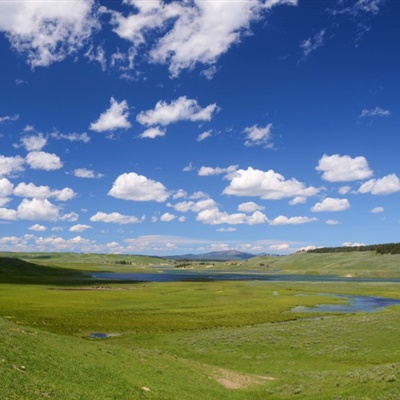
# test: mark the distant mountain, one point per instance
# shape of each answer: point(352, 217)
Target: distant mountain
point(214, 256)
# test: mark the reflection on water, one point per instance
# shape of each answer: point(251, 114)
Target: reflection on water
point(172, 276)
point(354, 304)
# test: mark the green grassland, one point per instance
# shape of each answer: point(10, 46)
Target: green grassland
point(193, 340)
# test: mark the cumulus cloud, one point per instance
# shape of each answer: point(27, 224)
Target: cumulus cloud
point(298, 200)
point(258, 136)
point(131, 186)
point(37, 228)
point(34, 142)
point(152, 133)
point(377, 210)
point(313, 43)
point(249, 207)
point(37, 209)
point(116, 117)
point(181, 109)
point(6, 187)
point(387, 185)
point(8, 214)
point(203, 31)
point(332, 222)
point(72, 137)
point(213, 216)
point(338, 168)
point(79, 228)
point(115, 218)
point(10, 166)
point(87, 173)
point(279, 247)
point(204, 135)
point(194, 206)
point(283, 220)
point(208, 171)
point(331, 204)
point(43, 192)
point(268, 185)
point(43, 160)
point(374, 112)
point(167, 217)
point(351, 244)
point(47, 31)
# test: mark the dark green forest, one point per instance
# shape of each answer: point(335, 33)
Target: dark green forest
point(387, 248)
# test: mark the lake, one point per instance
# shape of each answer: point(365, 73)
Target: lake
point(176, 276)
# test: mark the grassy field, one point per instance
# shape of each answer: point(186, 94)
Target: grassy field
point(189, 340)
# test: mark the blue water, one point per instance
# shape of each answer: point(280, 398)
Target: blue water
point(172, 276)
point(354, 304)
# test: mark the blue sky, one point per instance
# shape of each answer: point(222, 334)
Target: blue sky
point(153, 127)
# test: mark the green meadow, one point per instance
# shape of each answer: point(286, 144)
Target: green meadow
point(195, 340)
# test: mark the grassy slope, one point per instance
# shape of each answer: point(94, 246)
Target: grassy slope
point(178, 339)
point(361, 264)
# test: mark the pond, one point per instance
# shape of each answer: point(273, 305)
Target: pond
point(354, 304)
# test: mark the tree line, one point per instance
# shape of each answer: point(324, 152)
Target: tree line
point(386, 248)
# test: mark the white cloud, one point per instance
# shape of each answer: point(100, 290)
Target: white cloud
point(47, 31)
point(338, 168)
point(71, 217)
point(204, 30)
point(331, 204)
point(87, 173)
point(213, 216)
point(167, 217)
point(34, 143)
point(10, 166)
point(6, 187)
point(115, 218)
point(298, 200)
point(8, 214)
point(249, 207)
point(229, 229)
point(209, 73)
point(311, 44)
point(204, 135)
point(116, 117)
point(332, 222)
point(181, 109)
point(4, 201)
point(258, 136)
point(79, 228)
point(179, 194)
point(182, 218)
point(344, 190)
point(387, 185)
point(378, 210)
point(38, 228)
point(37, 209)
point(209, 171)
point(43, 160)
point(283, 220)
point(279, 247)
point(185, 206)
point(8, 117)
point(72, 137)
point(374, 112)
point(188, 168)
point(152, 133)
point(43, 192)
point(351, 244)
point(131, 186)
point(268, 185)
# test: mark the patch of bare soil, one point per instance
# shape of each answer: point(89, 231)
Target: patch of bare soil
point(235, 380)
